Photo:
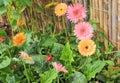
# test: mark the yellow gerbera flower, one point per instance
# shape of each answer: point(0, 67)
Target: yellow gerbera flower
point(25, 56)
point(87, 47)
point(19, 39)
point(51, 4)
point(60, 9)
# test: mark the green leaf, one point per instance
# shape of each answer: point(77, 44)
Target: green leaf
point(26, 2)
point(49, 42)
point(101, 35)
point(117, 55)
point(1, 2)
point(28, 40)
point(67, 54)
point(109, 62)
point(4, 61)
point(109, 48)
point(57, 49)
point(3, 48)
point(93, 69)
point(38, 10)
point(78, 77)
point(11, 79)
point(48, 76)
point(94, 26)
point(3, 9)
point(40, 65)
point(6, 2)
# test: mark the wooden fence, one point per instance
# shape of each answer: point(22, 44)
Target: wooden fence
point(107, 14)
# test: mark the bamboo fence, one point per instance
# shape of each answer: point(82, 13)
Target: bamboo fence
point(107, 14)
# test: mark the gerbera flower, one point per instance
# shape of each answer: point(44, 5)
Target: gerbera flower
point(60, 9)
point(87, 47)
point(76, 12)
point(59, 67)
point(25, 56)
point(83, 30)
point(2, 39)
point(20, 23)
point(51, 4)
point(49, 58)
point(19, 39)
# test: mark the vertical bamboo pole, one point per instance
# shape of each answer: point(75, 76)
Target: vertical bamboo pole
point(114, 21)
point(118, 25)
point(101, 13)
point(97, 10)
point(110, 20)
point(86, 3)
point(106, 22)
point(91, 10)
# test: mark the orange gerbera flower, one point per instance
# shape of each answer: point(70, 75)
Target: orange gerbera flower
point(87, 47)
point(19, 39)
point(20, 23)
point(60, 9)
point(25, 56)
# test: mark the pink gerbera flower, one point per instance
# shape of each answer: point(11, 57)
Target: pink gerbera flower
point(76, 12)
point(59, 67)
point(83, 30)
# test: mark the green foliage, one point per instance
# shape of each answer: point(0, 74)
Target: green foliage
point(93, 68)
point(26, 2)
point(4, 61)
point(10, 79)
point(49, 42)
point(109, 49)
point(44, 38)
point(40, 65)
point(78, 77)
point(57, 49)
point(49, 76)
point(67, 53)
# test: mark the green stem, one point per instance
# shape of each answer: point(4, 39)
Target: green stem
point(26, 73)
point(63, 21)
point(9, 53)
point(58, 79)
point(84, 63)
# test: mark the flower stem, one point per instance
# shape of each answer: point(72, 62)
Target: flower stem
point(83, 63)
point(58, 79)
point(9, 53)
point(63, 21)
point(26, 72)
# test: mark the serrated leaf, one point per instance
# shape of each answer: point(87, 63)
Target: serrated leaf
point(94, 68)
point(57, 49)
point(67, 54)
point(78, 77)
point(40, 65)
point(48, 76)
point(4, 61)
